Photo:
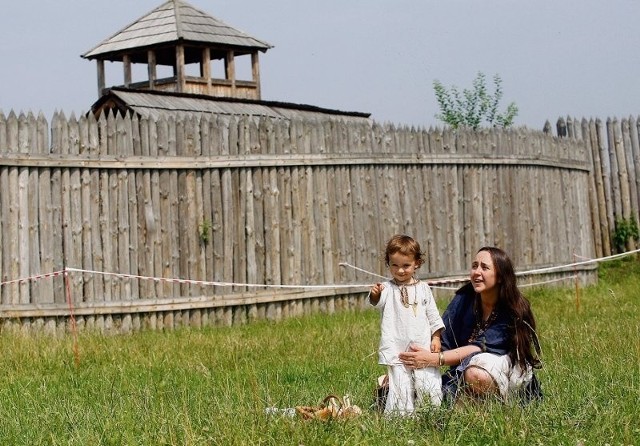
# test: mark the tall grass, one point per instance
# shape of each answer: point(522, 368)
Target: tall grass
point(211, 386)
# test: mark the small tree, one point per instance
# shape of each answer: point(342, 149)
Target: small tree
point(472, 107)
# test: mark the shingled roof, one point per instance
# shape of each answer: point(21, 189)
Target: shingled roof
point(174, 20)
point(156, 104)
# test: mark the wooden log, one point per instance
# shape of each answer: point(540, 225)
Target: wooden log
point(605, 173)
point(206, 251)
point(229, 209)
point(67, 226)
point(199, 266)
point(425, 220)
point(252, 270)
point(344, 225)
point(614, 178)
point(593, 188)
point(603, 145)
point(127, 213)
point(152, 215)
point(87, 198)
point(325, 223)
point(186, 227)
point(24, 238)
point(457, 186)
point(404, 201)
point(94, 212)
point(164, 214)
point(132, 147)
point(633, 161)
point(285, 218)
point(623, 172)
point(628, 127)
point(121, 216)
point(310, 237)
point(420, 218)
point(635, 153)
point(7, 290)
point(73, 243)
point(473, 210)
point(272, 228)
point(193, 206)
point(4, 145)
point(256, 200)
point(359, 256)
point(11, 209)
point(500, 215)
point(25, 133)
point(217, 225)
point(254, 208)
point(173, 216)
point(314, 232)
point(531, 233)
point(144, 236)
point(240, 247)
point(298, 219)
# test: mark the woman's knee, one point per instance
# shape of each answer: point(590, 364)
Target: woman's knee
point(479, 381)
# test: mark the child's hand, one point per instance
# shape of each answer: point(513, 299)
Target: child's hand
point(375, 292)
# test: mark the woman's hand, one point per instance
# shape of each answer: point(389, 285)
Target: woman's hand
point(418, 357)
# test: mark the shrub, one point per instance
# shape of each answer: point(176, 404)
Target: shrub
point(625, 230)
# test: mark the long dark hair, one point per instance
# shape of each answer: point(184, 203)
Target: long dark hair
point(525, 348)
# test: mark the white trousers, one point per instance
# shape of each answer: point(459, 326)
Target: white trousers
point(410, 389)
point(508, 378)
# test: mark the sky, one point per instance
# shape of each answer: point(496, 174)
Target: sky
point(578, 58)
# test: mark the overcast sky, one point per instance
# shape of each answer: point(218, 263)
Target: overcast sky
point(555, 58)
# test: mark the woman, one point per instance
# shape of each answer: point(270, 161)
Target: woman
point(489, 337)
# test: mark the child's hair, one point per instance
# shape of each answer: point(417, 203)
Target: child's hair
point(405, 245)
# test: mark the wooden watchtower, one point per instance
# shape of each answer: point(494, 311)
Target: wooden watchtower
point(187, 43)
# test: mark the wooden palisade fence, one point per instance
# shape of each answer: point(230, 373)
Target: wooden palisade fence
point(123, 207)
point(615, 190)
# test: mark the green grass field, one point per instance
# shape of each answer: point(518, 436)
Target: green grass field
point(211, 386)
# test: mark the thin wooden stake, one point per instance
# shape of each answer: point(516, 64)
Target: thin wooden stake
point(72, 318)
point(577, 279)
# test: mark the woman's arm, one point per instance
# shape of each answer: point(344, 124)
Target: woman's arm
point(418, 357)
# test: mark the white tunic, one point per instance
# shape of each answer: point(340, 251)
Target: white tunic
point(401, 326)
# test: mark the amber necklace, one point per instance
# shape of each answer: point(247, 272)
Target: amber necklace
point(404, 294)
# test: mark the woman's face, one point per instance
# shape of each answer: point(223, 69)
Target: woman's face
point(483, 273)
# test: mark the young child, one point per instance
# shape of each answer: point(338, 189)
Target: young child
point(409, 316)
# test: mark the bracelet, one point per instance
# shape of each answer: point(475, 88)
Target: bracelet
point(441, 359)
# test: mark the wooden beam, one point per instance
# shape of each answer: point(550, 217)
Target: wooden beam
point(255, 72)
point(126, 65)
point(180, 87)
point(152, 69)
point(230, 69)
point(205, 67)
point(276, 160)
point(171, 304)
point(101, 77)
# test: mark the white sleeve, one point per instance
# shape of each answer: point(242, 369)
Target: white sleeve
point(383, 296)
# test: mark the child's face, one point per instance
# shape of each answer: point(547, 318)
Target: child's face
point(402, 267)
